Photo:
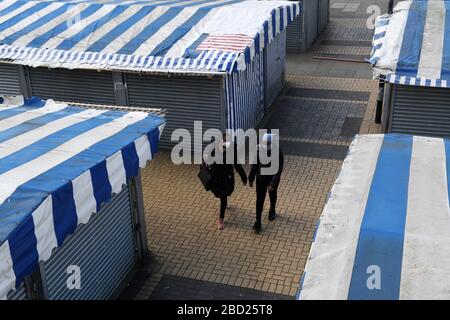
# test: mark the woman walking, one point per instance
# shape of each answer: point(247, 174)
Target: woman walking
point(222, 176)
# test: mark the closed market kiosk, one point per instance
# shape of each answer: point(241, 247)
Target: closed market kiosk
point(305, 28)
point(71, 212)
point(383, 234)
point(200, 60)
point(411, 50)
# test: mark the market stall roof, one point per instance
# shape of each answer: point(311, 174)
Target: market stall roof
point(58, 164)
point(412, 46)
point(384, 232)
point(148, 35)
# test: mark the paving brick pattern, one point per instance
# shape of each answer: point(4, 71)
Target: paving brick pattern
point(188, 251)
point(315, 119)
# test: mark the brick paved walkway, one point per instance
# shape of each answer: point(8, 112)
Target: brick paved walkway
point(324, 104)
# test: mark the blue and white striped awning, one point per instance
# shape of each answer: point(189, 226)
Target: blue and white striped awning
point(58, 165)
point(412, 46)
point(384, 232)
point(146, 35)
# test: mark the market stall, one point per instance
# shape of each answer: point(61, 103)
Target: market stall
point(411, 50)
point(383, 233)
point(71, 212)
point(202, 60)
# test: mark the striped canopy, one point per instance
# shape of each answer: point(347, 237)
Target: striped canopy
point(212, 36)
point(58, 165)
point(384, 232)
point(412, 46)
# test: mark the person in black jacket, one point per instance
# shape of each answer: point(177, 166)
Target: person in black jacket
point(222, 177)
point(265, 183)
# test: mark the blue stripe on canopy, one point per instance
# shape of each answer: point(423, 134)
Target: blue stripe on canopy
point(23, 194)
point(384, 249)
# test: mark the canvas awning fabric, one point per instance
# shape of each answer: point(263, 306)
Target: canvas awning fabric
point(412, 45)
point(384, 232)
point(58, 165)
point(210, 36)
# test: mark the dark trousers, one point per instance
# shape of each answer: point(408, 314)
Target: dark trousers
point(262, 184)
point(223, 206)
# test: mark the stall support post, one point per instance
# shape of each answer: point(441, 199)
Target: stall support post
point(35, 284)
point(391, 6)
point(379, 108)
point(139, 218)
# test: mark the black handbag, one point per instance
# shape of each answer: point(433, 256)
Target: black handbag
point(205, 177)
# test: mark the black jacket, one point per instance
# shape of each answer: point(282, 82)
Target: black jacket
point(255, 171)
point(222, 174)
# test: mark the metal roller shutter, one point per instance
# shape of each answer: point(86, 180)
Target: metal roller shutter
point(303, 31)
point(295, 37)
point(104, 249)
point(9, 79)
point(83, 86)
point(421, 111)
point(186, 99)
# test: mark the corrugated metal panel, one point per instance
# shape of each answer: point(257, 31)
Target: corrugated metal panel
point(104, 249)
point(303, 31)
point(245, 95)
point(275, 68)
point(421, 111)
point(295, 37)
point(19, 294)
point(84, 86)
point(324, 9)
point(9, 79)
point(186, 99)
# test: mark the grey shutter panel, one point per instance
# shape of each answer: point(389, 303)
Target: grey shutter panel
point(85, 86)
point(104, 249)
point(9, 79)
point(421, 111)
point(302, 32)
point(186, 99)
point(295, 37)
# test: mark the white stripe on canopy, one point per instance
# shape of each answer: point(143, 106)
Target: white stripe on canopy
point(426, 252)
point(433, 41)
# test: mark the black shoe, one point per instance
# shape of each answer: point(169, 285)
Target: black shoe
point(257, 227)
point(272, 215)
